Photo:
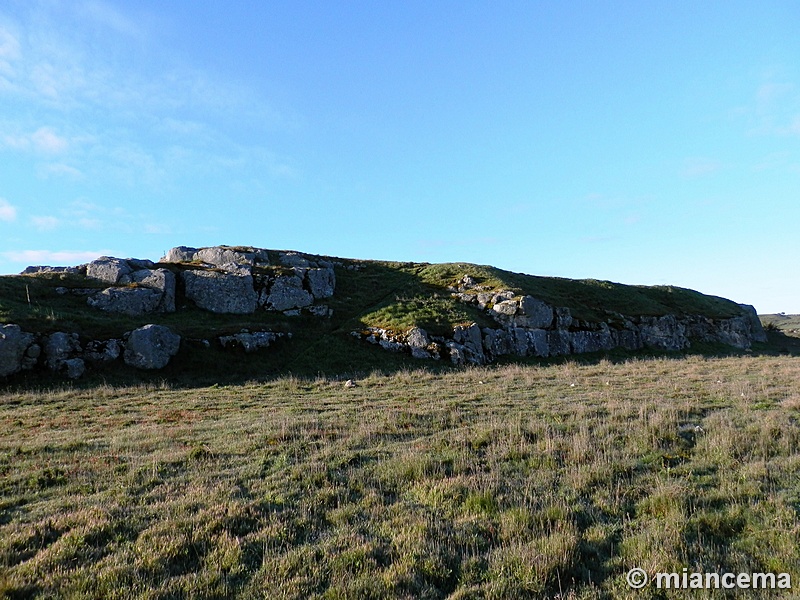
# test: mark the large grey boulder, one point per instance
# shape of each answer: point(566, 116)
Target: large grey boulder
point(222, 256)
point(59, 348)
point(321, 282)
point(109, 269)
point(418, 341)
point(179, 254)
point(295, 259)
point(162, 280)
point(61, 354)
point(534, 314)
point(229, 293)
point(287, 293)
point(469, 343)
point(126, 301)
point(151, 347)
point(13, 345)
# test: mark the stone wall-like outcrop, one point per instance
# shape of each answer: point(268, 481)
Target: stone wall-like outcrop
point(526, 326)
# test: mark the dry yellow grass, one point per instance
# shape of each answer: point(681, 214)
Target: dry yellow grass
point(508, 482)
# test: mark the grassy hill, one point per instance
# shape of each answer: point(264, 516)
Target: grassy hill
point(389, 295)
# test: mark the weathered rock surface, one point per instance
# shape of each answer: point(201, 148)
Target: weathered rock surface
point(287, 293)
point(321, 282)
point(230, 293)
point(33, 270)
point(529, 327)
point(98, 351)
point(61, 352)
point(162, 280)
point(126, 301)
point(110, 270)
point(59, 347)
point(14, 343)
point(250, 342)
point(179, 254)
point(151, 347)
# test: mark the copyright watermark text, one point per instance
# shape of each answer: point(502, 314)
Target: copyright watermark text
point(694, 580)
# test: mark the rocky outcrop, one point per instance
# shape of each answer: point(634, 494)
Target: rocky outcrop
point(527, 326)
point(151, 347)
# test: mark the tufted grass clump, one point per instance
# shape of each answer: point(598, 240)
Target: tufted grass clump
point(506, 482)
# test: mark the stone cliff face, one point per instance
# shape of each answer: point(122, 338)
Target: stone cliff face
point(241, 281)
point(527, 326)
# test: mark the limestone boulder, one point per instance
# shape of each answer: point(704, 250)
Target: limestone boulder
point(321, 282)
point(287, 292)
point(534, 314)
point(179, 254)
point(14, 343)
point(222, 256)
point(59, 348)
point(162, 280)
point(151, 347)
point(295, 259)
point(418, 341)
point(469, 343)
point(127, 301)
point(228, 293)
point(110, 270)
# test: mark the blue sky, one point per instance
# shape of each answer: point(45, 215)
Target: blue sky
point(640, 142)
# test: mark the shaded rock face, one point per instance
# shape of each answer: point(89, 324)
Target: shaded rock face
point(14, 344)
point(286, 293)
point(230, 293)
point(61, 354)
point(151, 347)
point(250, 342)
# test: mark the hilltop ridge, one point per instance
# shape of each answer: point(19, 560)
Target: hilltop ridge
point(256, 309)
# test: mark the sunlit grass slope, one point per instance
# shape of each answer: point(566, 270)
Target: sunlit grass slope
point(512, 482)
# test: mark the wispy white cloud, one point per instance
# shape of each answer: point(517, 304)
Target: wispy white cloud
point(8, 212)
point(45, 223)
point(54, 257)
point(60, 170)
point(775, 109)
point(106, 16)
point(44, 140)
point(699, 166)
